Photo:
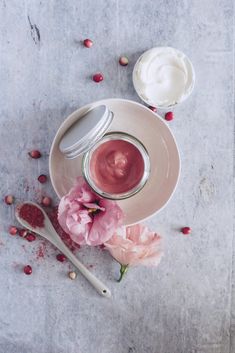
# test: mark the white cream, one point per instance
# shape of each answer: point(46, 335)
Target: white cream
point(163, 76)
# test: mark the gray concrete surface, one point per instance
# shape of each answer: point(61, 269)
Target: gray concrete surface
point(187, 304)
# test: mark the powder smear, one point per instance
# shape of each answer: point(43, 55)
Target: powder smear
point(40, 253)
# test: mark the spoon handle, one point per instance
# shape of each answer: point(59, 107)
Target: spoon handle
point(95, 282)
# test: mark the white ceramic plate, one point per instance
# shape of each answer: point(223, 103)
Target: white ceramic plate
point(135, 119)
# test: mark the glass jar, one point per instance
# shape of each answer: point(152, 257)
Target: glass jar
point(118, 170)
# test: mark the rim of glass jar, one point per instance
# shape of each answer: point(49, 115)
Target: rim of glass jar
point(117, 135)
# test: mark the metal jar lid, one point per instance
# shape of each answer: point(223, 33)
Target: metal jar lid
point(86, 132)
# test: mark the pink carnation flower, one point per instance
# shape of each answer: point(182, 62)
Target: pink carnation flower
point(88, 218)
point(137, 245)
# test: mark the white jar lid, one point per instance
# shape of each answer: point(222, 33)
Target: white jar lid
point(86, 132)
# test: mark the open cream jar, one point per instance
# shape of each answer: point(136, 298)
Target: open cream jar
point(163, 77)
point(115, 164)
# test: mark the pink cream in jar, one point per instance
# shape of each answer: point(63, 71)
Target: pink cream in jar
point(117, 167)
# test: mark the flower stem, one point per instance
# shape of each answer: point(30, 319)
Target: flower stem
point(123, 270)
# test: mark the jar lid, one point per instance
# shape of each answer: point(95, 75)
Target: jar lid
point(86, 132)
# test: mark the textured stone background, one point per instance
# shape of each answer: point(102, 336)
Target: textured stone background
point(187, 304)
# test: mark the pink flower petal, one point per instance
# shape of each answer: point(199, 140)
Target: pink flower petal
point(105, 223)
point(85, 227)
point(82, 192)
point(138, 246)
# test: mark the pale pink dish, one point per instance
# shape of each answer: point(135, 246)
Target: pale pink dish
point(137, 120)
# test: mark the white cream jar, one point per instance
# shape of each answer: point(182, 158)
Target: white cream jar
point(163, 77)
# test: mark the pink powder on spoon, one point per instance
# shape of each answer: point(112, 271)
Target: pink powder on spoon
point(32, 215)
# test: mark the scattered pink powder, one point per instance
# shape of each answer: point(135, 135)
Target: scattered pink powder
point(40, 253)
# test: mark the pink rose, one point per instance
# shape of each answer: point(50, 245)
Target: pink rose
point(136, 246)
point(86, 217)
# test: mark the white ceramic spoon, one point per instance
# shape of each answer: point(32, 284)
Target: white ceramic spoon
point(48, 232)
